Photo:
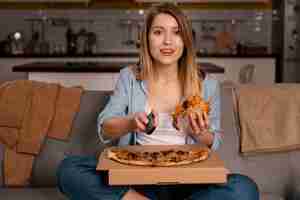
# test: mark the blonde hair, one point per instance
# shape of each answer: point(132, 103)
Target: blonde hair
point(188, 71)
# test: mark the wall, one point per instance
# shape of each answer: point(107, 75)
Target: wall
point(252, 26)
point(6, 73)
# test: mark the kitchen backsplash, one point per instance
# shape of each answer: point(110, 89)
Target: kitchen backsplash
point(116, 30)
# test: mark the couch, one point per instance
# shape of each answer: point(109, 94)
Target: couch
point(277, 174)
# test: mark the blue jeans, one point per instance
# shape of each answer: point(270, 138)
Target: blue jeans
point(78, 180)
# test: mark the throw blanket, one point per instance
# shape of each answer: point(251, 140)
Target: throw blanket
point(269, 117)
point(30, 111)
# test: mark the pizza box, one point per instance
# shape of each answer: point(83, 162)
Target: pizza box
point(211, 170)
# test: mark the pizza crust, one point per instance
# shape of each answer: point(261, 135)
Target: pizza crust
point(113, 155)
point(158, 158)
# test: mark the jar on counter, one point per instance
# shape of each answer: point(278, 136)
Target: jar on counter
point(81, 44)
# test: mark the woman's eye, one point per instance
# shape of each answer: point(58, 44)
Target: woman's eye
point(157, 32)
point(177, 32)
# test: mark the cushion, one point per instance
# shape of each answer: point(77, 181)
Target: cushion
point(270, 196)
point(46, 163)
point(295, 171)
point(31, 194)
point(83, 141)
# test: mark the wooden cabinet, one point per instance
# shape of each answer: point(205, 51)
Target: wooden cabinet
point(44, 1)
point(205, 1)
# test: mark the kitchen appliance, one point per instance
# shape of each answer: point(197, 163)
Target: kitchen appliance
point(91, 43)
point(16, 43)
point(81, 43)
point(44, 44)
point(5, 47)
point(33, 45)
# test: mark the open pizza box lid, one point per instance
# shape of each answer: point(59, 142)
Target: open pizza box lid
point(211, 170)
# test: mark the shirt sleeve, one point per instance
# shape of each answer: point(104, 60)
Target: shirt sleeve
point(213, 87)
point(211, 91)
point(117, 104)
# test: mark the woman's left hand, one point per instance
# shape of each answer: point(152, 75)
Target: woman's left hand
point(199, 122)
point(199, 127)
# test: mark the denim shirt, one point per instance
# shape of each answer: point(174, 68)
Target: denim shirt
point(130, 96)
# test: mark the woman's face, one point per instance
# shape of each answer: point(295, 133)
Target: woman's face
point(165, 42)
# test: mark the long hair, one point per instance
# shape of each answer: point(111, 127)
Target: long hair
point(188, 69)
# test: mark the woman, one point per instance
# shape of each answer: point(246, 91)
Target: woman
point(167, 74)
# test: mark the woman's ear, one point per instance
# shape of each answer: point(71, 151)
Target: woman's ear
point(138, 70)
point(138, 65)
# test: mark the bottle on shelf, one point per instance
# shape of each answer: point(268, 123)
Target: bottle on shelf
point(71, 39)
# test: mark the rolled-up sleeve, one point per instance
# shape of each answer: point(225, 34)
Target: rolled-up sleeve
point(212, 93)
point(117, 104)
point(215, 114)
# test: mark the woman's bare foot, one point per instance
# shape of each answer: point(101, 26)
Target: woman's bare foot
point(133, 195)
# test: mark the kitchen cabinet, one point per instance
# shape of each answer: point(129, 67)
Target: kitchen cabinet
point(205, 1)
point(264, 72)
point(44, 1)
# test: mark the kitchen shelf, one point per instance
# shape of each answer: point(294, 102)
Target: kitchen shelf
point(135, 55)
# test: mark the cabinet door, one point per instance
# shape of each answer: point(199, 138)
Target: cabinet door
point(205, 1)
point(44, 1)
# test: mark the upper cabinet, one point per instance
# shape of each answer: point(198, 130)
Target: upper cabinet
point(44, 1)
point(129, 4)
point(205, 1)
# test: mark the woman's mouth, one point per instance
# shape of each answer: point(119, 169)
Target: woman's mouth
point(167, 52)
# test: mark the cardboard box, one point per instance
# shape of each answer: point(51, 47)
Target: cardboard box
point(211, 170)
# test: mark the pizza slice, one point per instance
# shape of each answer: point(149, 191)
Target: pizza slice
point(191, 105)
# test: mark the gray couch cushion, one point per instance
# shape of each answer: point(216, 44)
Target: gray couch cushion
point(270, 196)
point(46, 163)
point(83, 141)
point(85, 138)
point(295, 167)
point(296, 191)
point(31, 194)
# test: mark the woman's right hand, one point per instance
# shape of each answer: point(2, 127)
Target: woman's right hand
point(139, 121)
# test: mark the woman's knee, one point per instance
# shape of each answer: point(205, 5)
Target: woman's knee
point(73, 169)
point(77, 176)
point(243, 186)
point(66, 171)
point(67, 164)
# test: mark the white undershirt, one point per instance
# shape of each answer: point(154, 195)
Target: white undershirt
point(164, 134)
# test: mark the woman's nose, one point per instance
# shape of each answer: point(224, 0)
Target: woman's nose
point(168, 38)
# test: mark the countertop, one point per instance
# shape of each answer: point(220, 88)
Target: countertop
point(97, 67)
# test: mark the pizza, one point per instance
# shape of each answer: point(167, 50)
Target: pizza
point(191, 105)
point(162, 158)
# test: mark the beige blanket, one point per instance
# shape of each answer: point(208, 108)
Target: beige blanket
point(30, 111)
point(269, 117)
